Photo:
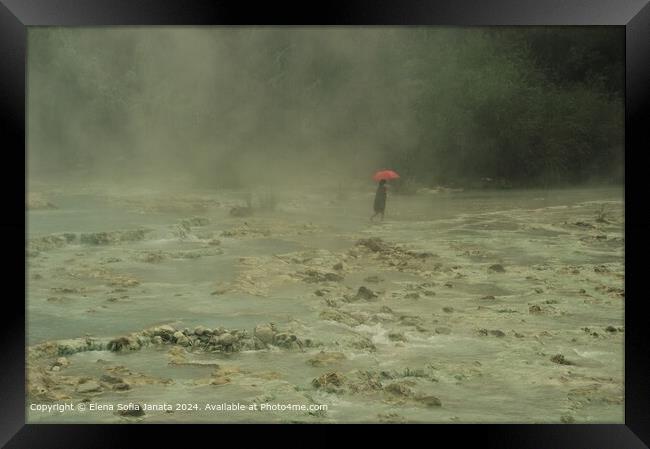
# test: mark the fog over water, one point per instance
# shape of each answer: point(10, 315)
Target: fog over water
point(198, 223)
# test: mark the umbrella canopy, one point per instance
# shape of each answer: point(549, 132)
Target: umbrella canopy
point(385, 174)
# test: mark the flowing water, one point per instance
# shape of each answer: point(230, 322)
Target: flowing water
point(486, 306)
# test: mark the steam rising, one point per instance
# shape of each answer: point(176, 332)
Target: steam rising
point(232, 107)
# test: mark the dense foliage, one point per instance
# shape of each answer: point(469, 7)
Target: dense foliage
point(468, 107)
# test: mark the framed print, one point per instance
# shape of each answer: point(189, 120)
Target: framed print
point(356, 213)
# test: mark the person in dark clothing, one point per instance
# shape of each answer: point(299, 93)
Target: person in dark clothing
point(380, 200)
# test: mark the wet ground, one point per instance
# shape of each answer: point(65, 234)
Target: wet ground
point(488, 306)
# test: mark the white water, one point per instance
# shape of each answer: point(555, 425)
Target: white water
point(477, 378)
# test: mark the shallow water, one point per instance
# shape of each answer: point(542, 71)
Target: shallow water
point(563, 271)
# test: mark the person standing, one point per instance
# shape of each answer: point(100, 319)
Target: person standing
point(380, 200)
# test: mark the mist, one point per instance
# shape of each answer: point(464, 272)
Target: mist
point(203, 224)
point(241, 106)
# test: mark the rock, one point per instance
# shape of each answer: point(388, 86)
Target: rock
point(123, 386)
point(408, 320)
point(226, 339)
point(219, 380)
point(312, 275)
point(111, 379)
point(152, 257)
point(181, 339)
point(199, 330)
point(497, 333)
point(265, 333)
point(399, 389)
point(560, 360)
point(165, 329)
point(220, 291)
point(420, 254)
point(328, 379)
point(430, 401)
point(365, 293)
point(364, 381)
point(396, 336)
point(382, 317)
point(107, 238)
point(374, 244)
point(75, 345)
point(363, 343)
point(143, 340)
point(583, 224)
point(610, 329)
point(534, 309)
point(567, 419)
point(442, 330)
point(385, 309)
point(178, 334)
point(157, 340)
point(412, 295)
point(122, 343)
point(341, 317)
point(338, 266)
point(289, 341)
point(326, 358)
point(257, 344)
point(89, 387)
point(333, 277)
point(45, 243)
point(62, 362)
point(448, 309)
point(497, 268)
point(429, 293)
point(487, 298)
point(331, 303)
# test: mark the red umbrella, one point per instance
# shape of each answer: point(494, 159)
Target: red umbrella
point(385, 174)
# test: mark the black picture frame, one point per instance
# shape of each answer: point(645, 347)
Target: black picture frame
point(633, 15)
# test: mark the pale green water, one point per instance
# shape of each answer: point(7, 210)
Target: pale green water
point(478, 379)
